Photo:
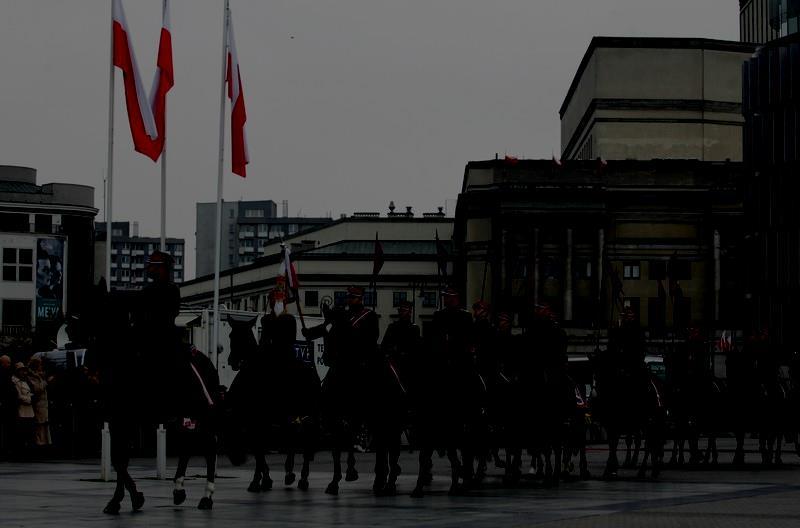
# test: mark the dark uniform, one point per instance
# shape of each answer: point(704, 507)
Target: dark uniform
point(396, 385)
point(401, 345)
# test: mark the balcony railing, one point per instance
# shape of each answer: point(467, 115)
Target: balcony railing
point(15, 330)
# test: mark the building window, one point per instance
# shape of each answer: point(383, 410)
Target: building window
point(680, 270)
point(370, 298)
point(44, 223)
point(632, 304)
point(311, 298)
point(263, 230)
point(429, 299)
point(230, 213)
point(658, 270)
point(17, 265)
point(398, 297)
point(339, 298)
point(116, 232)
point(17, 313)
point(254, 213)
point(584, 269)
point(630, 271)
point(657, 314)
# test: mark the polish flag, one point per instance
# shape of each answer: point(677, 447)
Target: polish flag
point(140, 116)
point(287, 269)
point(163, 81)
point(239, 155)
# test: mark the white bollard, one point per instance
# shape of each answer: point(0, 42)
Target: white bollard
point(105, 453)
point(161, 452)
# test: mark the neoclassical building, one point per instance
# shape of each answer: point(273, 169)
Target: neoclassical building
point(660, 237)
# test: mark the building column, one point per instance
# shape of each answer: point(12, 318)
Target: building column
point(568, 278)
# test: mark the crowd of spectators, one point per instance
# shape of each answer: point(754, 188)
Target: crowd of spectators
point(47, 410)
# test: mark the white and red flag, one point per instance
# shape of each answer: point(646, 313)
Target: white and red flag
point(140, 116)
point(288, 271)
point(239, 155)
point(163, 81)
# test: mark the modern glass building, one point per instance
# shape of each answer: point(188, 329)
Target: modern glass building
point(765, 20)
point(771, 150)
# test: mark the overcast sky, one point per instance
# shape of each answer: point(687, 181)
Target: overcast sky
point(350, 103)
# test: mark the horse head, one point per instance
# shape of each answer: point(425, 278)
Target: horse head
point(243, 343)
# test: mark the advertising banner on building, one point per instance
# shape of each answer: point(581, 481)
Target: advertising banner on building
point(49, 279)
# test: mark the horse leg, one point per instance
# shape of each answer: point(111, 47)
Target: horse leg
point(288, 467)
point(333, 487)
point(548, 465)
point(712, 445)
point(555, 476)
point(637, 447)
point(778, 440)
point(210, 453)
point(738, 456)
point(612, 463)
point(381, 464)
point(455, 470)
point(424, 475)
point(352, 473)
point(643, 468)
point(178, 493)
point(583, 465)
point(628, 458)
point(308, 456)
point(120, 458)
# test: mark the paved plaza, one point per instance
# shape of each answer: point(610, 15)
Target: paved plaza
point(65, 493)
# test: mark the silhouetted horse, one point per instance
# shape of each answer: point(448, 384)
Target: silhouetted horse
point(449, 400)
point(629, 399)
point(269, 398)
point(342, 408)
point(134, 346)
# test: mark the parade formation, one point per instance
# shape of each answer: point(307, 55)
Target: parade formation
point(469, 388)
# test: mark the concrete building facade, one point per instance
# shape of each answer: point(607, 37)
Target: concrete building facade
point(129, 254)
point(655, 98)
point(247, 226)
point(331, 258)
point(46, 251)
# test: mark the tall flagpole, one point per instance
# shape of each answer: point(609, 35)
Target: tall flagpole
point(110, 172)
point(164, 171)
point(218, 228)
point(164, 195)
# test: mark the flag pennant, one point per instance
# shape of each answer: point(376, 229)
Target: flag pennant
point(441, 256)
point(377, 259)
point(140, 115)
point(287, 270)
point(163, 81)
point(240, 156)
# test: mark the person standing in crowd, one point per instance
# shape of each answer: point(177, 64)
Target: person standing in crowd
point(25, 415)
point(37, 379)
point(8, 405)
